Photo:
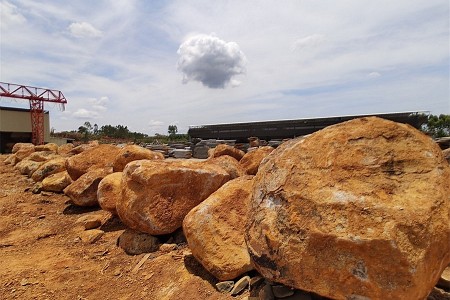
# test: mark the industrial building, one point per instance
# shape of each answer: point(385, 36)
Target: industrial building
point(15, 127)
point(278, 130)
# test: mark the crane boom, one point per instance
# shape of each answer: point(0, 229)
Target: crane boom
point(37, 97)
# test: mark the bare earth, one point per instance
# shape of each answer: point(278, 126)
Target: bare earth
point(43, 257)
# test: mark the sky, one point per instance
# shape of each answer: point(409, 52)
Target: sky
point(150, 64)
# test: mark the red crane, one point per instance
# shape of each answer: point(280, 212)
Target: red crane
point(37, 97)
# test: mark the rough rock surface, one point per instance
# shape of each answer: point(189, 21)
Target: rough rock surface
point(135, 242)
point(251, 160)
point(65, 148)
point(50, 167)
point(56, 182)
point(133, 152)
point(18, 146)
point(47, 147)
point(27, 166)
point(110, 191)
point(358, 210)
point(224, 149)
point(83, 147)
point(83, 191)
point(447, 154)
point(42, 156)
point(93, 158)
point(215, 229)
point(24, 152)
point(157, 194)
point(229, 164)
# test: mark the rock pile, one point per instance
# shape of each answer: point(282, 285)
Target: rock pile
point(359, 210)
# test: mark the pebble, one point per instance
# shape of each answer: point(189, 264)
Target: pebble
point(91, 236)
point(90, 221)
point(240, 285)
point(225, 286)
point(168, 247)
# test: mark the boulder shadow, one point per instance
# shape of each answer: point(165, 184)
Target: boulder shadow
point(113, 224)
point(72, 209)
point(196, 268)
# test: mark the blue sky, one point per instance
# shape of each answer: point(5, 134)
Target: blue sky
point(149, 64)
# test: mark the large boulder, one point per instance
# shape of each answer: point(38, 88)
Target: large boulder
point(42, 156)
point(18, 146)
point(96, 157)
point(133, 152)
point(229, 164)
point(65, 149)
point(110, 191)
point(224, 149)
point(50, 167)
point(47, 147)
point(56, 182)
point(215, 229)
point(83, 147)
point(251, 160)
point(157, 194)
point(358, 210)
point(27, 166)
point(24, 152)
point(83, 191)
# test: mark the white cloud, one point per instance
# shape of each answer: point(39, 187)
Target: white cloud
point(313, 40)
point(99, 104)
point(82, 113)
point(84, 30)
point(210, 60)
point(374, 75)
point(9, 15)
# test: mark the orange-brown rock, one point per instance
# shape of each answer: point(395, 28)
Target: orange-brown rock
point(42, 156)
point(65, 149)
point(83, 191)
point(224, 149)
point(215, 229)
point(28, 166)
point(18, 146)
point(47, 147)
point(251, 160)
point(157, 194)
point(24, 152)
point(11, 160)
point(110, 191)
point(56, 182)
point(447, 154)
point(133, 152)
point(50, 167)
point(229, 164)
point(134, 242)
point(100, 156)
point(83, 147)
point(358, 210)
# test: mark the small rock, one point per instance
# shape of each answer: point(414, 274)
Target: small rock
point(24, 282)
point(41, 217)
point(46, 194)
point(167, 247)
point(135, 242)
point(266, 293)
point(117, 271)
point(37, 188)
point(91, 236)
point(240, 285)
point(90, 221)
point(282, 291)
point(225, 286)
point(256, 281)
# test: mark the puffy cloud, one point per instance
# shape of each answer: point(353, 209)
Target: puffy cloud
point(9, 15)
point(211, 61)
point(309, 41)
point(85, 114)
point(99, 104)
point(84, 30)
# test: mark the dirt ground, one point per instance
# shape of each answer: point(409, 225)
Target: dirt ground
point(43, 257)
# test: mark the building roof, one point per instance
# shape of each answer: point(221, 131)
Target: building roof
point(282, 129)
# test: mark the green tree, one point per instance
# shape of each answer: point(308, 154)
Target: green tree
point(437, 126)
point(172, 130)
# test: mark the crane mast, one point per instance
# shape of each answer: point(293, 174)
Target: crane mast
point(37, 97)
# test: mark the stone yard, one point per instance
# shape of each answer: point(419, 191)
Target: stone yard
point(359, 210)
